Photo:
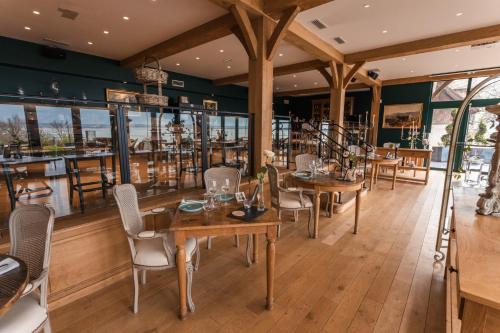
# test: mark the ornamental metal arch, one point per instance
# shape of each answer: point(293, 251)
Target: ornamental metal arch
point(451, 160)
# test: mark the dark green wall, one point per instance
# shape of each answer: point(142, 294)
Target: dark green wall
point(404, 94)
point(302, 106)
point(23, 66)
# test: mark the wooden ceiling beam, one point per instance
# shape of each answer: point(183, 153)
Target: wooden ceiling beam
point(280, 30)
point(207, 32)
point(458, 39)
point(250, 40)
point(278, 71)
point(443, 77)
point(354, 69)
point(335, 74)
point(317, 91)
point(329, 79)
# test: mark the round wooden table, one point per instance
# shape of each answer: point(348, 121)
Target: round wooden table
point(12, 284)
point(377, 162)
point(330, 183)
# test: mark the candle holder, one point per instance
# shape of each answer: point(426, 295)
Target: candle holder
point(414, 136)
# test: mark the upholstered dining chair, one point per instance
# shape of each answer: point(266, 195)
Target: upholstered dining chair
point(219, 175)
point(302, 163)
point(30, 229)
point(150, 250)
point(283, 199)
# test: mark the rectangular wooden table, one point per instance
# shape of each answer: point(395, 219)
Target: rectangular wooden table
point(420, 158)
point(218, 222)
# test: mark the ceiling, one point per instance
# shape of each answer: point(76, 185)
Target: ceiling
point(153, 21)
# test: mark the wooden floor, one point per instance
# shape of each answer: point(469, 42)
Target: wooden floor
point(382, 280)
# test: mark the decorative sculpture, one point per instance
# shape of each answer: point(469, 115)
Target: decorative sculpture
point(489, 202)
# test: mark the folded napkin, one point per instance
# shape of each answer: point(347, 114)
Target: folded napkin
point(7, 265)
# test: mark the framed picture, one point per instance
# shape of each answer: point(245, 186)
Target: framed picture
point(123, 96)
point(183, 100)
point(210, 105)
point(402, 115)
point(349, 106)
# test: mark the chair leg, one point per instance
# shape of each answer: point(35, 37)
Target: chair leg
point(47, 328)
point(295, 216)
point(310, 224)
point(278, 234)
point(237, 241)
point(189, 273)
point(198, 254)
point(136, 289)
point(209, 243)
point(143, 277)
point(249, 250)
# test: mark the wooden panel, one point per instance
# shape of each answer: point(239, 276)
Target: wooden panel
point(463, 38)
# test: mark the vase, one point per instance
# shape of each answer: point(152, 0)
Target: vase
point(260, 205)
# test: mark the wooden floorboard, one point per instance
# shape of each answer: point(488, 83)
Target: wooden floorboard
point(383, 279)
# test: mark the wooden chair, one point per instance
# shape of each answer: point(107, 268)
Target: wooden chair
point(30, 229)
point(283, 199)
point(150, 250)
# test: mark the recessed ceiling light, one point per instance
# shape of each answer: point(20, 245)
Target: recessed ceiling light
point(197, 58)
point(295, 85)
point(457, 50)
point(366, 5)
point(177, 64)
point(27, 28)
point(124, 82)
point(384, 31)
point(315, 83)
point(294, 75)
point(412, 71)
point(36, 12)
point(106, 32)
point(126, 18)
point(459, 14)
point(221, 51)
point(228, 67)
point(90, 43)
point(281, 54)
point(404, 59)
point(277, 88)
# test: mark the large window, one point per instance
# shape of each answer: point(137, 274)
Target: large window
point(12, 125)
point(445, 91)
point(96, 128)
point(55, 128)
point(490, 92)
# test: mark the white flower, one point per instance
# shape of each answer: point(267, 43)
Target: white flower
point(269, 153)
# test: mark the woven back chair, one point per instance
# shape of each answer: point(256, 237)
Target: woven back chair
point(219, 175)
point(293, 200)
point(303, 161)
point(150, 250)
point(30, 229)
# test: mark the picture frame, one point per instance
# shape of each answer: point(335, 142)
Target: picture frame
point(402, 115)
point(240, 196)
point(209, 104)
point(123, 96)
point(183, 100)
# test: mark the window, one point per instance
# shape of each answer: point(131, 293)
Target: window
point(444, 91)
point(492, 91)
point(56, 128)
point(12, 125)
point(96, 128)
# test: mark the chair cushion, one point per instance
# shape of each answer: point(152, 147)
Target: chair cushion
point(292, 200)
point(26, 315)
point(150, 252)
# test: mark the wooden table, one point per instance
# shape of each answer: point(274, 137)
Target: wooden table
point(421, 158)
point(380, 161)
point(12, 284)
point(330, 183)
point(219, 223)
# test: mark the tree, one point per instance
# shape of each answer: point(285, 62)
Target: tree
point(446, 138)
point(482, 129)
point(15, 129)
point(63, 130)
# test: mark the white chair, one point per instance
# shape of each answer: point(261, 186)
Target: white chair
point(302, 163)
point(150, 250)
point(30, 229)
point(288, 200)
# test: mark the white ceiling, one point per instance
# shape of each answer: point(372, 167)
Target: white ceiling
point(154, 21)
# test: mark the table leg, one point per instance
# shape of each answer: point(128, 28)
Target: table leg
point(317, 203)
point(372, 175)
point(377, 169)
point(10, 186)
point(356, 212)
point(271, 258)
point(427, 171)
point(181, 274)
point(255, 248)
point(394, 176)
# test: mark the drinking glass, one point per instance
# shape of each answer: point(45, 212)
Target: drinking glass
point(225, 189)
point(247, 203)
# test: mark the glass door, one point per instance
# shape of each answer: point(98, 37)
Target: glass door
point(440, 135)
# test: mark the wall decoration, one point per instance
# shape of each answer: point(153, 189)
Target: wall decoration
point(349, 106)
point(183, 100)
point(210, 104)
point(123, 96)
point(402, 115)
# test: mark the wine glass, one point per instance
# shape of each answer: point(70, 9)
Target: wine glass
point(225, 189)
point(247, 203)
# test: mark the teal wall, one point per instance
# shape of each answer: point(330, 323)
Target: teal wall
point(302, 106)
point(23, 66)
point(404, 94)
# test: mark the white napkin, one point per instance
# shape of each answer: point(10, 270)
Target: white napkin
point(7, 265)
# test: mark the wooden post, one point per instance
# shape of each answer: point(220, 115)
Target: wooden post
point(337, 96)
point(375, 112)
point(260, 92)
